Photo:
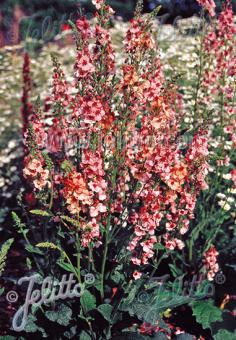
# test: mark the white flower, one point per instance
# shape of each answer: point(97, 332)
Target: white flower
point(220, 195)
point(227, 176)
point(224, 205)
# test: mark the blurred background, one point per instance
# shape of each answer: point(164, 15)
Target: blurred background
point(44, 19)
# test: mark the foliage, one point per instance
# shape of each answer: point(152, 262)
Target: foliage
point(206, 313)
point(3, 254)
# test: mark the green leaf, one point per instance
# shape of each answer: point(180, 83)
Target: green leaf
point(206, 313)
point(20, 226)
point(32, 249)
point(159, 246)
point(132, 295)
point(223, 334)
point(174, 270)
point(28, 263)
point(1, 291)
point(129, 336)
point(87, 301)
point(184, 336)
point(105, 310)
point(7, 337)
point(62, 316)
point(3, 254)
point(71, 333)
point(116, 277)
point(31, 326)
point(158, 336)
point(66, 266)
point(84, 336)
point(40, 212)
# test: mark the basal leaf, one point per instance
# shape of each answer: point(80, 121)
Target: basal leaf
point(105, 310)
point(62, 315)
point(206, 313)
point(184, 336)
point(223, 334)
point(84, 336)
point(31, 326)
point(87, 301)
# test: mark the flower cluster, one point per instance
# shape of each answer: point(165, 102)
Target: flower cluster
point(75, 192)
point(219, 50)
point(209, 5)
point(118, 177)
point(137, 37)
point(34, 170)
point(133, 175)
point(210, 262)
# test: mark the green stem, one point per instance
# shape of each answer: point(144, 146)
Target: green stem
point(103, 267)
point(78, 258)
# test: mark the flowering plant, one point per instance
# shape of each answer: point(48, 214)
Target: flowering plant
point(114, 185)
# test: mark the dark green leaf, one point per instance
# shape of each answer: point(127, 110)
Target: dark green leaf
point(223, 334)
point(206, 313)
point(105, 310)
point(87, 301)
point(84, 336)
point(158, 336)
point(66, 266)
point(32, 249)
point(61, 316)
point(116, 277)
point(129, 336)
point(31, 326)
point(184, 336)
point(71, 333)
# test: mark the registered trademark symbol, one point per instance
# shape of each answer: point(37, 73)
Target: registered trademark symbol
point(220, 278)
point(89, 278)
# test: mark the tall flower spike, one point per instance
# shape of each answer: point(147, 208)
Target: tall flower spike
point(208, 5)
point(26, 109)
point(60, 93)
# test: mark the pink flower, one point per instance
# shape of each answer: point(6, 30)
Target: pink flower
point(34, 171)
point(91, 231)
point(75, 192)
point(136, 261)
point(99, 208)
point(57, 135)
point(84, 66)
point(210, 263)
point(148, 329)
point(209, 5)
point(137, 275)
point(174, 243)
point(83, 27)
point(233, 176)
point(98, 3)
